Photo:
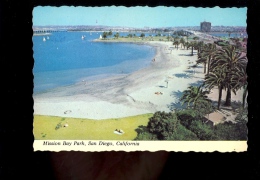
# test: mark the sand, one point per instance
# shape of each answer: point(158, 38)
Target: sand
point(143, 91)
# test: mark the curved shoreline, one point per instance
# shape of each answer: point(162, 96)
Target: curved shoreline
point(124, 95)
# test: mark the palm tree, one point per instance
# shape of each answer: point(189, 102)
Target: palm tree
point(116, 35)
point(187, 44)
point(193, 45)
point(104, 35)
point(176, 43)
point(229, 59)
point(202, 59)
point(200, 45)
point(195, 96)
point(238, 81)
point(216, 78)
point(208, 51)
point(182, 42)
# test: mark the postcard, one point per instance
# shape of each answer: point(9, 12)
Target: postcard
point(140, 79)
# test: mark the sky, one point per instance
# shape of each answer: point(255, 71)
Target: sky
point(138, 17)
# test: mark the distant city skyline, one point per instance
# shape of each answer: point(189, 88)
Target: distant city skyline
point(138, 17)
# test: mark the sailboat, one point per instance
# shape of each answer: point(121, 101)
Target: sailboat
point(43, 39)
point(82, 37)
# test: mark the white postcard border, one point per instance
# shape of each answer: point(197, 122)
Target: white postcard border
point(130, 146)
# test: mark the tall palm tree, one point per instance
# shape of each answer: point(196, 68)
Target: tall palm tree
point(200, 46)
point(187, 45)
point(195, 97)
point(193, 45)
point(176, 43)
point(229, 59)
point(202, 59)
point(238, 81)
point(216, 78)
point(182, 42)
point(209, 50)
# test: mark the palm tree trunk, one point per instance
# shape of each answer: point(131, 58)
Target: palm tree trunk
point(192, 50)
point(228, 98)
point(209, 61)
point(205, 68)
point(219, 95)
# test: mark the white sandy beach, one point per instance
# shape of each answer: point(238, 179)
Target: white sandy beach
point(131, 94)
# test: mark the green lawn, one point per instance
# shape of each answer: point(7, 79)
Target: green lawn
point(87, 129)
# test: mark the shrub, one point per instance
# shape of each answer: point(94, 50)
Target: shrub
point(167, 128)
point(231, 131)
point(183, 134)
point(143, 134)
point(186, 117)
point(146, 136)
point(203, 131)
point(163, 125)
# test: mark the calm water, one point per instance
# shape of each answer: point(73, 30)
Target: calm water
point(64, 58)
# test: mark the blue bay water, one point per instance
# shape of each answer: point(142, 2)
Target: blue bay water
point(64, 58)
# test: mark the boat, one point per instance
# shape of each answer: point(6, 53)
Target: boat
point(82, 37)
point(44, 39)
point(100, 37)
point(48, 37)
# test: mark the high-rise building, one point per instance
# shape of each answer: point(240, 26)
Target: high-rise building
point(205, 26)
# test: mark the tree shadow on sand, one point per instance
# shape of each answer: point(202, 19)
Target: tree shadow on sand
point(177, 94)
point(198, 83)
point(183, 75)
point(189, 71)
point(175, 106)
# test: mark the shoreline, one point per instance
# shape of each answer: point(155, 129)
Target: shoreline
point(140, 92)
point(126, 95)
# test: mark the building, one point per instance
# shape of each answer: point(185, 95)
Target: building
point(205, 26)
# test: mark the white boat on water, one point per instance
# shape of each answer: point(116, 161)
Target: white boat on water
point(43, 39)
point(83, 37)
